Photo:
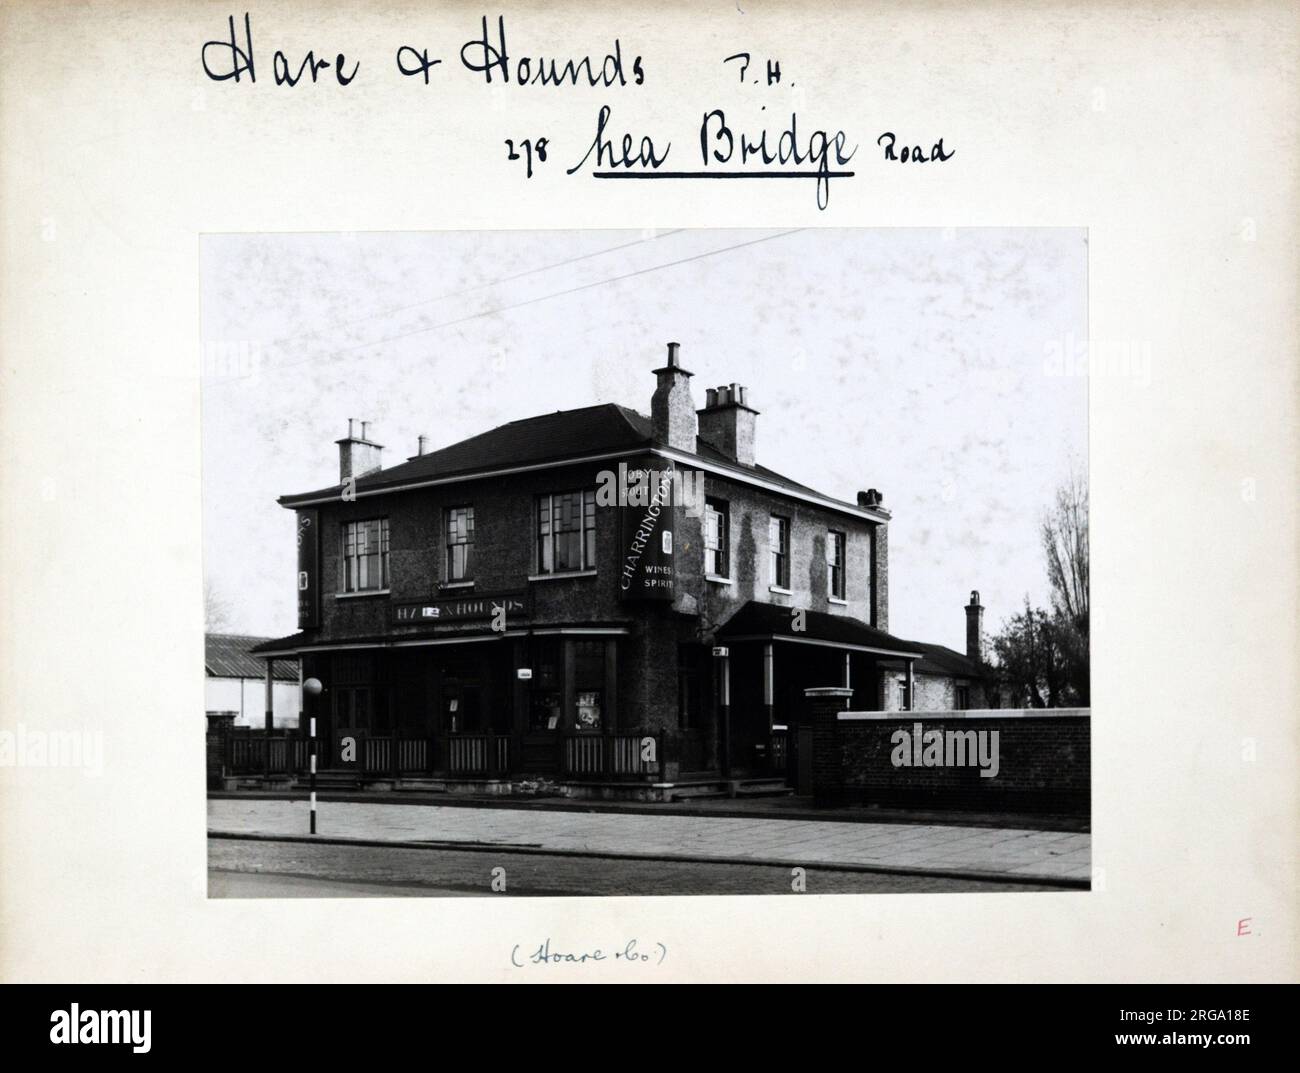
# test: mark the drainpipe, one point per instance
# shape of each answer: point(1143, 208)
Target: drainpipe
point(769, 699)
point(724, 717)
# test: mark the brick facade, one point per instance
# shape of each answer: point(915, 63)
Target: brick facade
point(582, 649)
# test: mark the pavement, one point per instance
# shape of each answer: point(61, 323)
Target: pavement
point(779, 807)
point(990, 853)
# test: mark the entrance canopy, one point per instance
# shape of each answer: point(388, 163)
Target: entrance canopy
point(757, 621)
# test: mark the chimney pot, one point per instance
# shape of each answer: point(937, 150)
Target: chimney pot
point(358, 456)
point(975, 628)
point(727, 422)
point(672, 411)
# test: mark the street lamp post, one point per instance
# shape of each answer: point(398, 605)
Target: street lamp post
point(311, 688)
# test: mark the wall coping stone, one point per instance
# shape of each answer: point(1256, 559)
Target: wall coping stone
point(968, 713)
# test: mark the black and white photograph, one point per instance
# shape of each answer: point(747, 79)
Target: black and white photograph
point(637, 563)
point(771, 492)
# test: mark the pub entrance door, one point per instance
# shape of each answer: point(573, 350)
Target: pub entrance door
point(460, 694)
point(351, 724)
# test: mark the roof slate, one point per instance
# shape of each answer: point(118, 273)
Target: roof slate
point(229, 655)
point(946, 661)
point(762, 619)
point(552, 437)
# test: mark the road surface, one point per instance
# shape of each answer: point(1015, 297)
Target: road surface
point(259, 869)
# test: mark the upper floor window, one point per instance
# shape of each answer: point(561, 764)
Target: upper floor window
point(962, 702)
point(364, 560)
point(716, 538)
point(835, 565)
point(778, 542)
point(460, 544)
point(566, 532)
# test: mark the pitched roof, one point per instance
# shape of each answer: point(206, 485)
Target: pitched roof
point(547, 437)
point(763, 620)
point(551, 437)
point(228, 655)
point(946, 661)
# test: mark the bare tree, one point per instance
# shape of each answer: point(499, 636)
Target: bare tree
point(1042, 656)
point(216, 609)
point(1064, 531)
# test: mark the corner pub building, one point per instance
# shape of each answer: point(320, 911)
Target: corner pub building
point(495, 612)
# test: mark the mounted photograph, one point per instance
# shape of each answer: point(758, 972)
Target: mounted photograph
point(647, 562)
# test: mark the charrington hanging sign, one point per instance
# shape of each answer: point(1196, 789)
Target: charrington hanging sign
point(648, 570)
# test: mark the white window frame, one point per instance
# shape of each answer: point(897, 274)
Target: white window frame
point(351, 565)
point(587, 555)
point(782, 525)
point(449, 576)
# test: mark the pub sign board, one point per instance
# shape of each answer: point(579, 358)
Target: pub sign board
point(308, 569)
point(445, 611)
point(647, 568)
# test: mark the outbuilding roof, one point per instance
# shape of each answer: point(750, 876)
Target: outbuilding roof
point(758, 619)
point(228, 655)
point(945, 661)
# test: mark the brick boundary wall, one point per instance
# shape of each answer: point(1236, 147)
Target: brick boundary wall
point(1044, 759)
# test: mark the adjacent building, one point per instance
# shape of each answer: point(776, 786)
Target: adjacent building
point(235, 685)
point(596, 595)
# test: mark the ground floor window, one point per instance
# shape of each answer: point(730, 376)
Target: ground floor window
point(589, 683)
point(568, 690)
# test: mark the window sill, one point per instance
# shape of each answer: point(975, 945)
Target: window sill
point(455, 585)
point(718, 579)
point(361, 595)
point(562, 576)
point(783, 592)
point(837, 600)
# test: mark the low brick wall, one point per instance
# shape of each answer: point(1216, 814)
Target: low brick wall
point(1042, 760)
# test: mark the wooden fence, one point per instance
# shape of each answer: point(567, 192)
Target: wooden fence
point(591, 756)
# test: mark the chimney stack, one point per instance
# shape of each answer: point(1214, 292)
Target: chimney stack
point(672, 410)
point(358, 455)
point(727, 421)
point(975, 628)
point(870, 498)
point(423, 445)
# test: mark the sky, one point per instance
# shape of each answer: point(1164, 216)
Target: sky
point(914, 361)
